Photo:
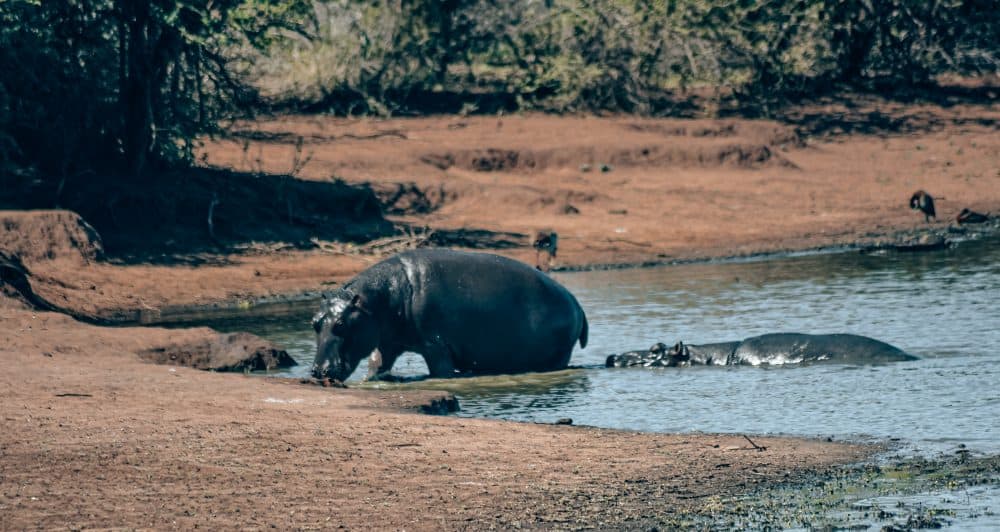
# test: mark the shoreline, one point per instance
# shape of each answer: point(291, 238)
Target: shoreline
point(157, 445)
point(288, 303)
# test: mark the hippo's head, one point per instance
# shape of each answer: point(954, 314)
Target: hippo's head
point(346, 332)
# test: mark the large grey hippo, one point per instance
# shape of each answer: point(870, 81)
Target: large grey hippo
point(465, 313)
point(779, 348)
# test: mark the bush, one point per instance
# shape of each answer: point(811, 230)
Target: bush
point(118, 85)
point(622, 55)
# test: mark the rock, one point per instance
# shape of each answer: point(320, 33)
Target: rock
point(48, 235)
point(225, 352)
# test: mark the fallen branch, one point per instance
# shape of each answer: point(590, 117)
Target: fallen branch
point(755, 446)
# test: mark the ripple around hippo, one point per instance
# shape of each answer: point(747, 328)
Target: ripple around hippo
point(767, 349)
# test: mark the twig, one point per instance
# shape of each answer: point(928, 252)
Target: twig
point(755, 446)
point(73, 395)
point(211, 212)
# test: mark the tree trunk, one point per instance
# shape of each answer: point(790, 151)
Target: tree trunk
point(136, 100)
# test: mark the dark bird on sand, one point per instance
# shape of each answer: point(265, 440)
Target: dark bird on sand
point(923, 202)
point(547, 242)
point(972, 217)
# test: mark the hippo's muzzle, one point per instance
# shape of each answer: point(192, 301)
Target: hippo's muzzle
point(329, 362)
point(319, 370)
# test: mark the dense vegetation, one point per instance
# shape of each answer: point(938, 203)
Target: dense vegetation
point(122, 87)
point(119, 85)
point(388, 56)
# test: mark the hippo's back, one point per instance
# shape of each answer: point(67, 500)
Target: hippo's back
point(491, 310)
point(785, 348)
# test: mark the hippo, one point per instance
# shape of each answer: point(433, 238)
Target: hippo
point(779, 348)
point(465, 313)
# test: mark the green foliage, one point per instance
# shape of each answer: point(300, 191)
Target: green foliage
point(113, 85)
point(623, 55)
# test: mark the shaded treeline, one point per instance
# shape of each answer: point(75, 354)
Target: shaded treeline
point(122, 87)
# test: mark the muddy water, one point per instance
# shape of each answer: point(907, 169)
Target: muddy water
point(942, 306)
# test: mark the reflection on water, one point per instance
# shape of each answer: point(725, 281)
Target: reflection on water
point(515, 393)
point(942, 306)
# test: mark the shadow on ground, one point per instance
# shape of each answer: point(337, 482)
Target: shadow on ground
point(188, 216)
point(880, 110)
point(198, 216)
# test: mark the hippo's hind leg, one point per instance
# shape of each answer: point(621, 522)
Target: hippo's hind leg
point(439, 359)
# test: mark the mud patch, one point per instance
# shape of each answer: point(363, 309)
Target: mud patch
point(477, 239)
point(750, 156)
point(287, 137)
point(767, 133)
point(408, 198)
point(908, 494)
point(226, 352)
point(46, 235)
point(485, 160)
point(704, 154)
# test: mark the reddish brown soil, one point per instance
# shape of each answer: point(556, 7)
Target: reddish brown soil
point(676, 189)
point(93, 437)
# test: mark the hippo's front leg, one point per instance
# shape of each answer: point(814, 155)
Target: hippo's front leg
point(380, 363)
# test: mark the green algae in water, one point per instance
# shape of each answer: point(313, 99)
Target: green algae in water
point(908, 494)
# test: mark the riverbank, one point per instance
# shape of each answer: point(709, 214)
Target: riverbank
point(93, 437)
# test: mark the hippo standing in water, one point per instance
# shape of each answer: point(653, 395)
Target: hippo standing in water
point(465, 313)
point(780, 348)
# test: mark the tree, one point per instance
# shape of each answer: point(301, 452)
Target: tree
point(120, 85)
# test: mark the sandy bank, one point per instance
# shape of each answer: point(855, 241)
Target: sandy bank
point(95, 438)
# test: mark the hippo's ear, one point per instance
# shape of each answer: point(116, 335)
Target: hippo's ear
point(359, 303)
point(681, 351)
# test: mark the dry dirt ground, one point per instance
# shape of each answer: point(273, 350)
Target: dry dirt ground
point(93, 437)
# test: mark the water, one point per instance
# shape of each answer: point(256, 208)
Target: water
point(942, 306)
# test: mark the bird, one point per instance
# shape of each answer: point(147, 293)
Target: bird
point(547, 241)
point(972, 217)
point(923, 202)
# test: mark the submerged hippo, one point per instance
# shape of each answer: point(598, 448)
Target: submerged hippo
point(780, 348)
point(465, 313)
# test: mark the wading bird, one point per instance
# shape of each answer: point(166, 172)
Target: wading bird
point(549, 243)
point(923, 202)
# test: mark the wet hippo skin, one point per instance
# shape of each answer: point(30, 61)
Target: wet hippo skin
point(778, 348)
